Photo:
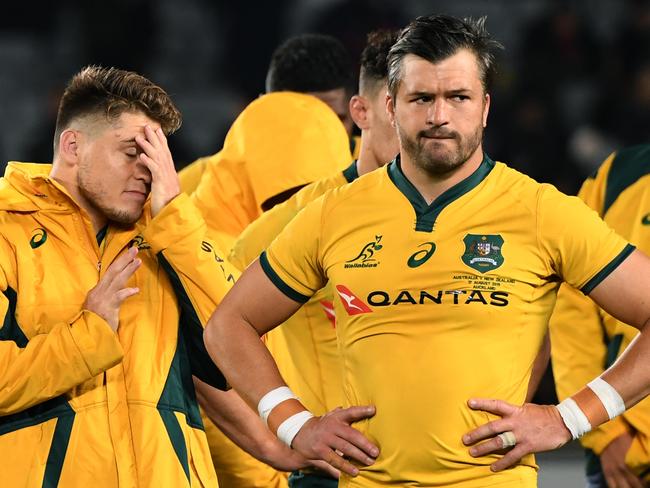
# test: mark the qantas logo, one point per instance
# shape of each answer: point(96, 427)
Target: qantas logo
point(352, 303)
point(328, 310)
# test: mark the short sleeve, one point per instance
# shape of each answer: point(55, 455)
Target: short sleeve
point(292, 261)
point(581, 248)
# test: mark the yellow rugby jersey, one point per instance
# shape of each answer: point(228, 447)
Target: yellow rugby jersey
point(439, 303)
point(304, 347)
point(585, 338)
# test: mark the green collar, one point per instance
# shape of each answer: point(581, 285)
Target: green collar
point(426, 215)
point(351, 173)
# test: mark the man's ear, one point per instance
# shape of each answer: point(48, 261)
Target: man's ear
point(486, 109)
point(69, 146)
point(359, 111)
point(390, 109)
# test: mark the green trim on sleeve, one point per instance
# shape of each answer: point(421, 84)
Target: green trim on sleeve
point(277, 281)
point(605, 272)
point(351, 173)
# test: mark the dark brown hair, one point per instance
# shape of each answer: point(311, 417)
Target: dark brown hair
point(110, 92)
point(438, 37)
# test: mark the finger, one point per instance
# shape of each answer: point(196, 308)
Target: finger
point(497, 407)
point(323, 466)
point(120, 263)
point(354, 414)
point(610, 479)
point(487, 447)
point(510, 458)
point(152, 166)
point(152, 136)
point(125, 293)
point(160, 134)
point(145, 144)
point(120, 280)
point(341, 464)
point(632, 480)
point(358, 440)
point(352, 451)
point(485, 431)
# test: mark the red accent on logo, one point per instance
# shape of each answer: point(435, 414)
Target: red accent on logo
point(353, 305)
point(328, 310)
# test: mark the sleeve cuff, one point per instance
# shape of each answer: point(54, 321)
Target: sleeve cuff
point(174, 222)
point(607, 270)
point(97, 343)
point(279, 283)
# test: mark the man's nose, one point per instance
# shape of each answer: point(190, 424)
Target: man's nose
point(141, 172)
point(438, 114)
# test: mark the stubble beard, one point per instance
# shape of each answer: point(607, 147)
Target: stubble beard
point(439, 163)
point(93, 194)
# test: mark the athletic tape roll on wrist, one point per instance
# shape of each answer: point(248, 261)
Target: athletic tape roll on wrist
point(272, 399)
point(288, 429)
point(609, 397)
point(574, 418)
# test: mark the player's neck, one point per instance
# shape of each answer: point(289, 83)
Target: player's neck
point(68, 181)
point(367, 160)
point(431, 186)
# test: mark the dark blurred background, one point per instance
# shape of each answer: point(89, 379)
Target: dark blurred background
point(573, 82)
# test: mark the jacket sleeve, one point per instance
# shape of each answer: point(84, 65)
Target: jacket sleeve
point(199, 274)
point(42, 367)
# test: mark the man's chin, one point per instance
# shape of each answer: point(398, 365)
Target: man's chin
point(120, 218)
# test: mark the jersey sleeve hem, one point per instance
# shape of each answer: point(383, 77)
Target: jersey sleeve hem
point(279, 283)
point(606, 271)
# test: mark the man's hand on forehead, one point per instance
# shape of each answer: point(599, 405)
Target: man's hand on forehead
point(156, 156)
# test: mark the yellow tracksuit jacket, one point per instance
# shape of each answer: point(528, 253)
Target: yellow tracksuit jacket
point(280, 141)
point(81, 405)
point(585, 339)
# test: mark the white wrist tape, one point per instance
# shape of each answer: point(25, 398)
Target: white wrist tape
point(609, 397)
point(574, 418)
point(290, 427)
point(272, 399)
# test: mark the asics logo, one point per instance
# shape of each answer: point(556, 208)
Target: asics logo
point(39, 236)
point(420, 257)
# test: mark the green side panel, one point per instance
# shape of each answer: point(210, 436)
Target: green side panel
point(425, 214)
point(58, 449)
point(11, 331)
point(628, 166)
point(176, 437)
point(191, 329)
point(178, 395)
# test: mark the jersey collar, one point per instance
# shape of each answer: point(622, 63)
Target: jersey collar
point(351, 173)
point(425, 214)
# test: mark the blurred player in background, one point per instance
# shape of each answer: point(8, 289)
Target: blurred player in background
point(587, 340)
